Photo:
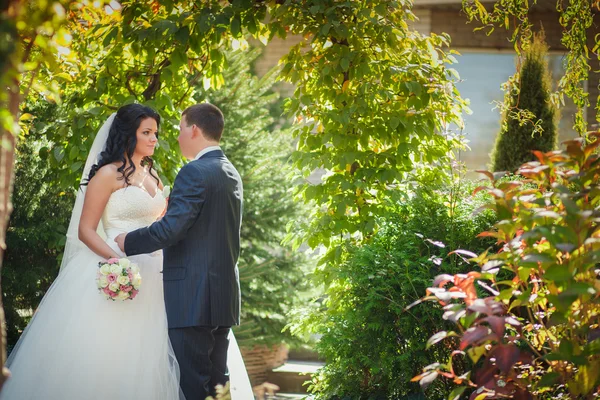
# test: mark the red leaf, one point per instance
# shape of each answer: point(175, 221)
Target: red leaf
point(497, 324)
point(506, 186)
point(414, 303)
point(479, 189)
point(487, 306)
point(489, 234)
point(486, 173)
point(425, 379)
point(464, 252)
point(507, 356)
point(497, 193)
point(539, 155)
point(466, 283)
point(436, 243)
point(442, 279)
point(473, 335)
point(485, 375)
point(522, 394)
point(438, 337)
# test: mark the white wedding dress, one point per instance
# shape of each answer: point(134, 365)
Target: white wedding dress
point(81, 346)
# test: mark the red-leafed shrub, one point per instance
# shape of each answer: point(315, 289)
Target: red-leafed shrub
point(536, 333)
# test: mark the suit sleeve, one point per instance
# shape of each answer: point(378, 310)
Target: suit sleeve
point(185, 204)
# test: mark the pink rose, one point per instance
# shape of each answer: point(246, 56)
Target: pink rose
point(113, 260)
point(106, 291)
point(133, 293)
point(130, 275)
point(111, 278)
point(126, 288)
point(113, 294)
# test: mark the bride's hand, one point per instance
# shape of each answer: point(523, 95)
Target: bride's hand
point(120, 240)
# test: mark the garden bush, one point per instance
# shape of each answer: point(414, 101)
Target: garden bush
point(535, 333)
point(372, 346)
point(530, 119)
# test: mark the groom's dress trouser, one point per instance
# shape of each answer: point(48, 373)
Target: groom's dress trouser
point(202, 355)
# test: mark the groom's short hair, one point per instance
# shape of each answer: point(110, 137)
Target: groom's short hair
point(208, 118)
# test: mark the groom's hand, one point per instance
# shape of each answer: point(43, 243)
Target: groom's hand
point(121, 241)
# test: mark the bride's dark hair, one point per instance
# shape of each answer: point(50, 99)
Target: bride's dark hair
point(122, 140)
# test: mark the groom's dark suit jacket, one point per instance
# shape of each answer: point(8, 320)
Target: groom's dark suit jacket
point(200, 233)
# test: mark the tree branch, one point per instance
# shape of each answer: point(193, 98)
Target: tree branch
point(155, 83)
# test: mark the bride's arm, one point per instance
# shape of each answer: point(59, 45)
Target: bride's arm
point(98, 192)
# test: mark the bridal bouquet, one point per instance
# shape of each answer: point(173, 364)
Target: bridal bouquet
point(118, 279)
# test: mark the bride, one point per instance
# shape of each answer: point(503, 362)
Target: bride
point(79, 345)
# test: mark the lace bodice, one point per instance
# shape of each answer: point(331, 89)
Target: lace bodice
point(131, 208)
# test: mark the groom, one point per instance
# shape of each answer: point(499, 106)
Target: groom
point(200, 233)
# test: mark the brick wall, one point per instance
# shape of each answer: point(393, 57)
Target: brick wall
point(454, 23)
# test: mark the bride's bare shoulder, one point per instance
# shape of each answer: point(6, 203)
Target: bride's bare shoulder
point(108, 175)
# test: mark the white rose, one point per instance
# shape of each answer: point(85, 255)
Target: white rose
point(124, 262)
point(105, 269)
point(135, 269)
point(114, 286)
point(166, 191)
point(122, 296)
point(116, 269)
point(123, 280)
point(137, 281)
point(102, 282)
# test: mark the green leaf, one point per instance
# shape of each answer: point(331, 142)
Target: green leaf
point(475, 353)
point(95, 110)
point(59, 153)
point(414, 87)
point(548, 379)
point(235, 26)
point(586, 379)
point(73, 153)
point(558, 273)
point(183, 35)
point(523, 273)
point(75, 166)
point(112, 34)
point(456, 393)
point(345, 64)
point(65, 76)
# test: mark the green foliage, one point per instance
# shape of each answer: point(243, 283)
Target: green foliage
point(371, 112)
point(372, 345)
point(156, 53)
point(31, 34)
point(576, 18)
point(537, 334)
point(529, 118)
point(272, 276)
point(371, 102)
point(35, 238)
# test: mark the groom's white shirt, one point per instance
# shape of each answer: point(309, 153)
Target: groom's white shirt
point(206, 150)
